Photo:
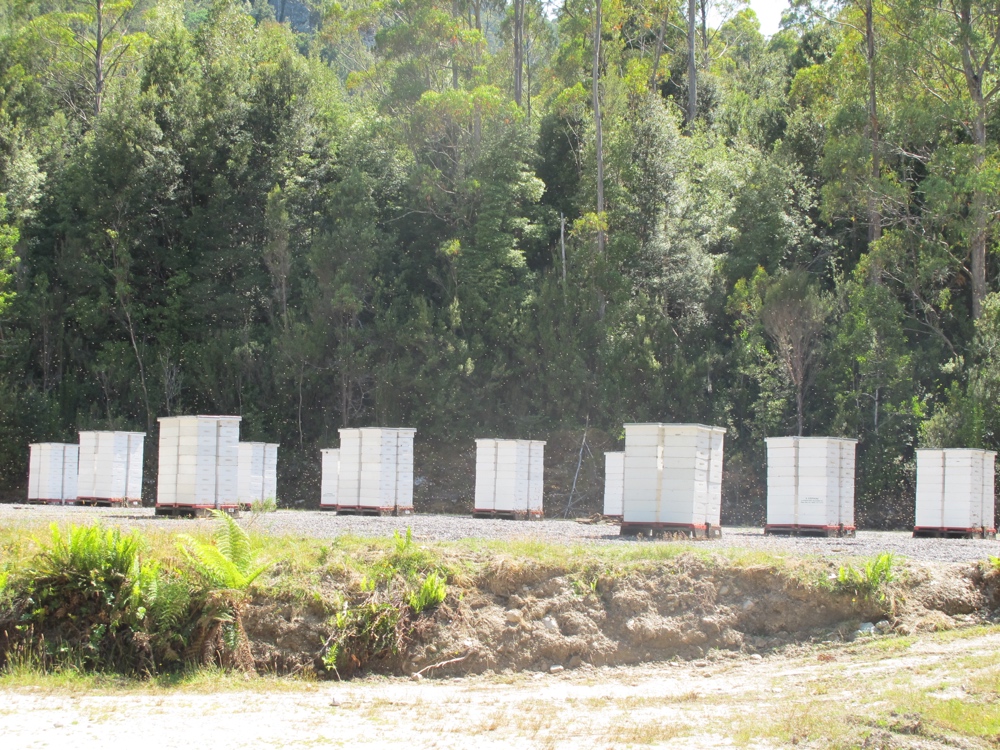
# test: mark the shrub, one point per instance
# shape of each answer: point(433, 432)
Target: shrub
point(371, 630)
point(86, 596)
point(226, 568)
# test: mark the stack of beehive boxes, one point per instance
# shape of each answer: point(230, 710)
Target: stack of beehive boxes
point(110, 468)
point(810, 485)
point(199, 462)
point(673, 479)
point(375, 472)
point(330, 478)
point(614, 483)
point(510, 478)
point(955, 493)
point(258, 472)
point(52, 472)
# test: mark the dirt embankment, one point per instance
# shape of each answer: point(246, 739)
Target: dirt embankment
point(532, 617)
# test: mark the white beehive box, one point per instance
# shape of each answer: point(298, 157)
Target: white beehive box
point(111, 466)
point(330, 477)
point(199, 462)
point(258, 472)
point(510, 477)
point(52, 472)
point(614, 482)
point(673, 477)
point(955, 491)
point(376, 469)
point(810, 484)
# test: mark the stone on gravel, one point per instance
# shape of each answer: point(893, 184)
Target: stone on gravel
point(865, 628)
point(555, 669)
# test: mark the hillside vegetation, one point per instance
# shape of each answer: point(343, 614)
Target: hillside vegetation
point(470, 218)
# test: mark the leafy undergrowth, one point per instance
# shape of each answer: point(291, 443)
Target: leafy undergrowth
point(90, 600)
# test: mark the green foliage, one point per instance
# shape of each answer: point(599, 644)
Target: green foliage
point(8, 239)
point(352, 221)
point(430, 594)
point(85, 596)
point(266, 505)
point(369, 631)
point(229, 563)
point(871, 581)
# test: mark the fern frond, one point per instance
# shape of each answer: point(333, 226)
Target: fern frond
point(233, 541)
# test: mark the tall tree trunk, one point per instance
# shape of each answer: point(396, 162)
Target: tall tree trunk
point(527, 60)
point(518, 50)
point(692, 112)
point(598, 131)
point(874, 214)
point(455, 12)
point(979, 218)
point(99, 58)
point(800, 405)
point(703, 7)
point(659, 50)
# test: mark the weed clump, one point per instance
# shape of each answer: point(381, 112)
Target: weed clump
point(381, 616)
point(871, 581)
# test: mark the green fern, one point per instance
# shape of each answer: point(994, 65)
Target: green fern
point(430, 594)
point(230, 562)
point(871, 580)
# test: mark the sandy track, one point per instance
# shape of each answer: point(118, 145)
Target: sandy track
point(323, 525)
point(716, 704)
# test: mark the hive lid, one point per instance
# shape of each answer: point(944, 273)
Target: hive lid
point(675, 424)
point(200, 416)
point(110, 432)
point(810, 437)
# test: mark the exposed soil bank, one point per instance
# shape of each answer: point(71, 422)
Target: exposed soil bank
point(518, 616)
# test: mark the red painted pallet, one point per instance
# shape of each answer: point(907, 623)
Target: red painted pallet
point(945, 532)
point(652, 530)
point(807, 530)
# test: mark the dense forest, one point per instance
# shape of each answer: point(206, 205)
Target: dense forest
point(503, 218)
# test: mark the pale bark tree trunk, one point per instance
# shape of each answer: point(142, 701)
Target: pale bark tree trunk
point(974, 80)
point(518, 50)
point(99, 58)
point(658, 52)
point(692, 112)
point(598, 131)
point(874, 213)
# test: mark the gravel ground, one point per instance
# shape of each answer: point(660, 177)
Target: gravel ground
point(325, 525)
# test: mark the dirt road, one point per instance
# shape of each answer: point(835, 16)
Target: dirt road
point(931, 691)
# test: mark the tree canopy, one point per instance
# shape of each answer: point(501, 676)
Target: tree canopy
point(503, 218)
